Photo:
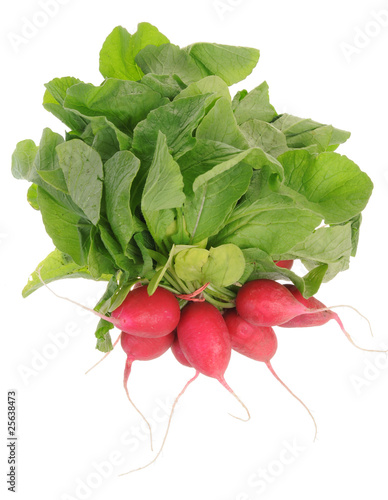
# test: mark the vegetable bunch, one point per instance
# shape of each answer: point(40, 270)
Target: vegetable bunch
point(162, 178)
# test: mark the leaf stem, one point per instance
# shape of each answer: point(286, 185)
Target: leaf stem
point(217, 303)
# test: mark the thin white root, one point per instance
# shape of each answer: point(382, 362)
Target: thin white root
point(224, 383)
point(168, 427)
point(347, 334)
point(127, 371)
point(105, 356)
point(102, 316)
point(295, 396)
point(358, 312)
point(142, 416)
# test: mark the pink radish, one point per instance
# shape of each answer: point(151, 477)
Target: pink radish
point(140, 314)
point(178, 353)
point(286, 264)
point(204, 340)
point(142, 349)
point(319, 318)
point(147, 316)
point(256, 342)
point(267, 303)
point(316, 319)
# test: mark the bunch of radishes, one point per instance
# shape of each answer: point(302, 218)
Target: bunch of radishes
point(203, 337)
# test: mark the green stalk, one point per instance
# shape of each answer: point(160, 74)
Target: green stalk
point(217, 303)
point(223, 290)
point(169, 278)
point(215, 293)
point(186, 287)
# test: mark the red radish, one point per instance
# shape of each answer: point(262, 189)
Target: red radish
point(286, 264)
point(178, 353)
point(205, 342)
point(140, 314)
point(256, 342)
point(267, 303)
point(316, 319)
point(142, 349)
point(148, 316)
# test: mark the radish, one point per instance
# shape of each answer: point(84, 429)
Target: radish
point(319, 318)
point(140, 314)
point(258, 343)
point(178, 353)
point(286, 264)
point(146, 315)
point(204, 340)
point(142, 349)
point(267, 303)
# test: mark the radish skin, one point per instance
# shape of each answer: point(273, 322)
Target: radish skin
point(267, 303)
point(286, 264)
point(204, 339)
point(148, 316)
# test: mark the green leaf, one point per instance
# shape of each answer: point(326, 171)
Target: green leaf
point(104, 341)
point(32, 196)
point(177, 120)
point(254, 157)
point(83, 171)
point(144, 245)
point(326, 245)
point(23, 160)
point(169, 59)
point(121, 260)
point(232, 64)
point(117, 56)
point(105, 137)
point(158, 276)
point(274, 227)
point(46, 161)
point(207, 85)
point(163, 190)
point(100, 261)
point(203, 157)
point(105, 142)
point(220, 125)
point(212, 200)
point(266, 220)
point(114, 295)
point(265, 136)
point(68, 231)
point(122, 102)
point(301, 133)
point(328, 184)
point(55, 266)
point(166, 85)
point(120, 172)
point(53, 101)
point(259, 265)
point(224, 266)
point(164, 184)
point(189, 263)
point(255, 105)
point(27, 158)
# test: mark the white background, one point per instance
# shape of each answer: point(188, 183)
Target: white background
point(68, 421)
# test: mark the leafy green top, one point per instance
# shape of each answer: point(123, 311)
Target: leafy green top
point(163, 177)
